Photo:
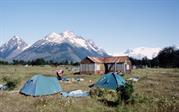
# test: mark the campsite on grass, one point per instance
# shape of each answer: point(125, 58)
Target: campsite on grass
point(89, 55)
point(156, 90)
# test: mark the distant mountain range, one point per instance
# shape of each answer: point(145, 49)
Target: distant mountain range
point(64, 46)
point(141, 52)
point(54, 46)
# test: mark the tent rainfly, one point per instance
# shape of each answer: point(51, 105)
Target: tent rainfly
point(110, 81)
point(40, 85)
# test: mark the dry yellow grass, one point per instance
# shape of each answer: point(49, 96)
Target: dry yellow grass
point(157, 90)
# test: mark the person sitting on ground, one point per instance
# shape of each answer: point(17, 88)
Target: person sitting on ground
point(59, 74)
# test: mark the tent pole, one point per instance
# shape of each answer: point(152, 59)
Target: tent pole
point(115, 79)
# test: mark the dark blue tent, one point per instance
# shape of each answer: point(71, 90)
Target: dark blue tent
point(40, 85)
point(110, 81)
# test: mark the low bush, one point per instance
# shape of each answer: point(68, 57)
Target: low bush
point(122, 94)
point(11, 82)
point(104, 94)
point(125, 92)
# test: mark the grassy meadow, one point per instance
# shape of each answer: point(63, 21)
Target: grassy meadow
point(156, 91)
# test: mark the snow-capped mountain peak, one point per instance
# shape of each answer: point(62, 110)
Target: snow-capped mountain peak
point(53, 37)
point(67, 37)
point(15, 40)
point(142, 52)
point(68, 34)
point(60, 37)
point(62, 46)
point(53, 34)
point(13, 47)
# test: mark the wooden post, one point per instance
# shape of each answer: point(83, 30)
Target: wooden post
point(106, 68)
point(115, 67)
point(124, 67)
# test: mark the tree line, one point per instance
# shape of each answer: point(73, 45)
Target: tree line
point(39, 61)
point(167, 58)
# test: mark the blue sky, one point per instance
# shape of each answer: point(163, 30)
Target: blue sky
point(114, 25)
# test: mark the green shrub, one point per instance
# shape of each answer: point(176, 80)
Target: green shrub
point(11, 82)
point(125, 92)
point(104, 94)
point(96, 92)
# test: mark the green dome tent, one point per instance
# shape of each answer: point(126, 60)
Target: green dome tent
point(40, 85)
point(110, 81)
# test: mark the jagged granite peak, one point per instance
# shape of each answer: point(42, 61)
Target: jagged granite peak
point(16, 41)
point(12, 48)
